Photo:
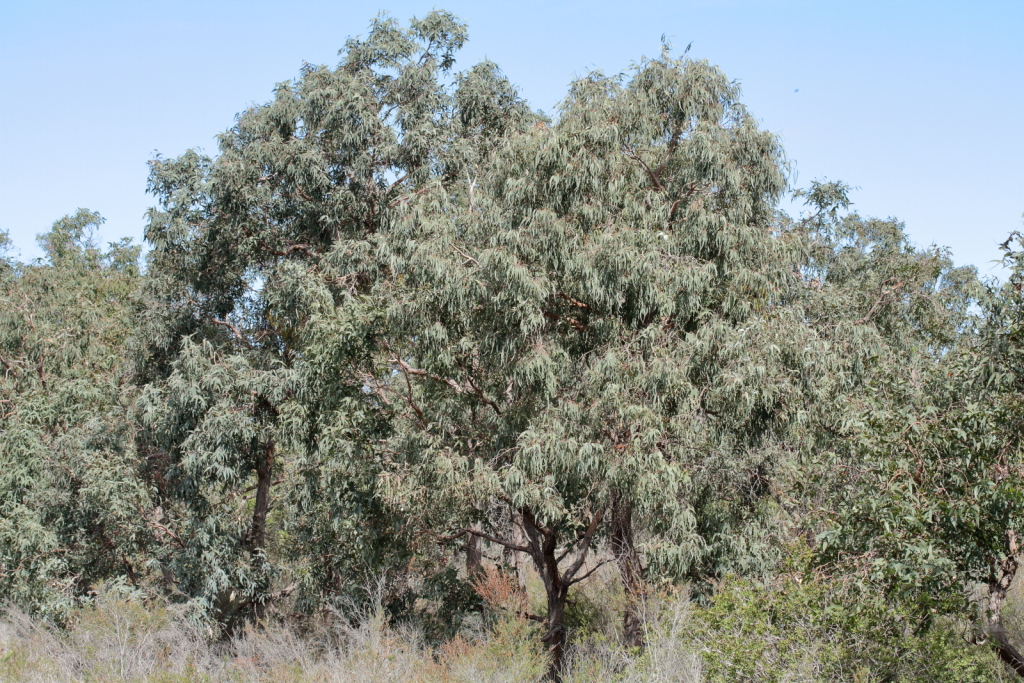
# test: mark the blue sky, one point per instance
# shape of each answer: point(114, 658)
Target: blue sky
point(918, 104)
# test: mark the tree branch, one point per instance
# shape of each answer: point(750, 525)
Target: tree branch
point(423, 373)
point(488, 537)
point(576, 302)
point(10, 368)
point(629, 152)
point(584, 546)
point(304, 248)
point(411, 400)
point(479, 392)
point(878, 302)
point(554, 316)
point(584, 577)
point(234, 330)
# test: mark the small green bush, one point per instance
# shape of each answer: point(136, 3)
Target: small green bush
point(811, 630)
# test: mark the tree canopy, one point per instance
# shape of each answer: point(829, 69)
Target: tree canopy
point(402, 328)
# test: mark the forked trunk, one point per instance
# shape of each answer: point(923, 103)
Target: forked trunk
point(543, 545)
point(543, 549)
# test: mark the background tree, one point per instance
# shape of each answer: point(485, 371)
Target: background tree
point(266, 312)
point(933, 504)
point(70, 491)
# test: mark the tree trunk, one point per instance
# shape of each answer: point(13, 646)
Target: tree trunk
point(997, 589)
point(543, 545)
point(556, 636)
point(474, 555)
point(258, 528)
point(543, 548)
point(630, 570)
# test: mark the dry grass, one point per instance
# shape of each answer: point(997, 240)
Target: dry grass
point(120, 639)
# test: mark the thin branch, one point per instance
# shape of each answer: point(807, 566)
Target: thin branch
point(411, 400)
point(883, 294)
point(174, 536)
point(10, 368)
point(584, 546)
point(573, 582)
point(284, 592)
point(304, 248)
point(575, 323)
point(465, 255)
point(398, 182)
point(423, 373)
point(371, 382)
point(629, 152)
point(234, 330)
point(479, 392)
point(575, 302)
point(405, 197)
point(488, 537)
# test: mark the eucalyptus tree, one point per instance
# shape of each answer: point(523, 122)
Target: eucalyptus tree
point(885, 311)
point(70, 490)
point(934, 503)
point(865, 274)
point(594, 340)
point(266, 315)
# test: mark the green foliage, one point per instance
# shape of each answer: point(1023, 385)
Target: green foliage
point(807, 629)
point(399, 317)
point(70, 493)
point(267, 311)
point(938, 486)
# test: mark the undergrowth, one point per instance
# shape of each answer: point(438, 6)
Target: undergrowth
point(796, 631)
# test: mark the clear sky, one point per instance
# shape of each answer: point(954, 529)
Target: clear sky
point(918, 104)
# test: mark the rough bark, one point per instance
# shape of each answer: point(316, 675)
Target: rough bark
point(474, 555)
point(631, 571)
point(543, 543)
